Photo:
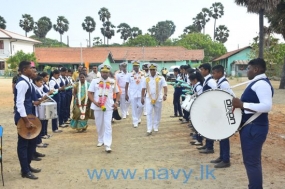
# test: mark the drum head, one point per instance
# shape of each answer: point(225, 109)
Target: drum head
point(31, 133)
point(212, 117)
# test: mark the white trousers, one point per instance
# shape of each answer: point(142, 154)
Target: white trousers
point(103, 125)
point(153, 114)
point(144, 108)
point(124, 105)
point(137, 109)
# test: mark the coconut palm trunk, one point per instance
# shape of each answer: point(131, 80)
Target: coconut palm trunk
point(282, 82)
point(89, 40)
point(215, 29)
point(261, 33)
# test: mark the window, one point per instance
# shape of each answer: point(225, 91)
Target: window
point(1, 44)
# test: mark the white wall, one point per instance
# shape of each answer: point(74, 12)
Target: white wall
point(26, 47)
point(5, 53)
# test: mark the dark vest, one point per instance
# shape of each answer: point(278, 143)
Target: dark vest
point(250, 96)
point(28, 102)
point(195, 88)
point(206, 86)
point(56, 96)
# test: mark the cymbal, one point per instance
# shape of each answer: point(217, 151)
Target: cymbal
point(29, 133)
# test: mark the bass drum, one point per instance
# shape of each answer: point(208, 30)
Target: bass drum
point(212, 115)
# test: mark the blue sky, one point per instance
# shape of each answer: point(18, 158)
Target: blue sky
point(140, 13)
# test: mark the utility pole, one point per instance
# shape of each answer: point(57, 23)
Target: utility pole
point(81, 54)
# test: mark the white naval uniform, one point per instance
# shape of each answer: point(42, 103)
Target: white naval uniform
point(103, 119)
point(154, 111)
point(146, 74)
point(122, 78)
point(134, 90)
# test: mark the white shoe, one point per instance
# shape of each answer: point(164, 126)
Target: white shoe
point(140, 121)
point(124, 117)
point(155, 130)
point(148, 133)
point(108, 149)
point(145, 114)
point(128, 113)
point(100, 144)
point(135, 126)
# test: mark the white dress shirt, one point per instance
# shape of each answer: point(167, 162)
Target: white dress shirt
point(264, 94)
point(53, 82)
point(199, 88)
point(94, 75)
point(22, 88)
point(152, 87)
point(122, 79)
point(134, 88)
point(225, 86)
point(211, 82)
point(94, 87)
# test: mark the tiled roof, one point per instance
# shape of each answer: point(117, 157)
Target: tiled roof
point(97, 54)
point(4, 34)
point(155, 53)
point(70, 55)
point(241, 62)
point(228, 54)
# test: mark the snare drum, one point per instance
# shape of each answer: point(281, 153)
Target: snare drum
point(186, 104)
point(212, 115)
point(47, 110)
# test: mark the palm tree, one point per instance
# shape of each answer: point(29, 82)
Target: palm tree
point(27, 24)
point(2, 23)
point(42, 27)
point(152, 30)
point(217, 11)
point(135, 32)
point(104, 16)
point(199, 21)
point(125, 30)
point(108, 30)
point(61, 26)
point(207, 14)
point(97, 41)
point(222, 33)
point(89, 26)
point(163, 30)
point(260, 7)
point(192, 29)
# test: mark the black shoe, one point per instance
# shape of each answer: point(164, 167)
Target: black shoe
point(174, 116)
point(218, 160)
point(29, 175)
point(35, 170)
point(206, 151)
point(36, 158)
point(222, 165)
point(201, 147)
point(37, 154)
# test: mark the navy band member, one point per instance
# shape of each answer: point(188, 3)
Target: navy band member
point(257, 97)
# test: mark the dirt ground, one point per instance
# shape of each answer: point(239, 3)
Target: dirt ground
point(71, 157)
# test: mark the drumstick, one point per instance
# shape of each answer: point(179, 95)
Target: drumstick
point(233, 109)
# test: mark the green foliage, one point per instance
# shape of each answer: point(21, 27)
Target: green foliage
point(42, 27)
point(142, 40)
point(47, 68)
point(125, 30)
point(222, 33)
point(212, 49)
point(276, 19)
point(2, 23)
point(47, 42)
point(61, 26)
point(20, 56)
point(162, 31)
point(27, 24)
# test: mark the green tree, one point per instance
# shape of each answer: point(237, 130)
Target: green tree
point(42, 27)
point(89, 26)
point(276, 20)
point(212, 49)
point(61, 26)
point(162, 31)
point(125, 30)
point(47, 42)
point(97, 41)
point(260, 7)
point(2, 23)
point(207, 14)
point(199, 22)
point(27, 24)
point(108, 30)
point(135, 32)
point(217, 11)
point(222, 33)
point(20, 56)
point(192, 29)
point(142, 40)
point(104, 16)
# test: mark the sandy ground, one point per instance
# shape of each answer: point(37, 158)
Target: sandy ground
point(71, 157)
